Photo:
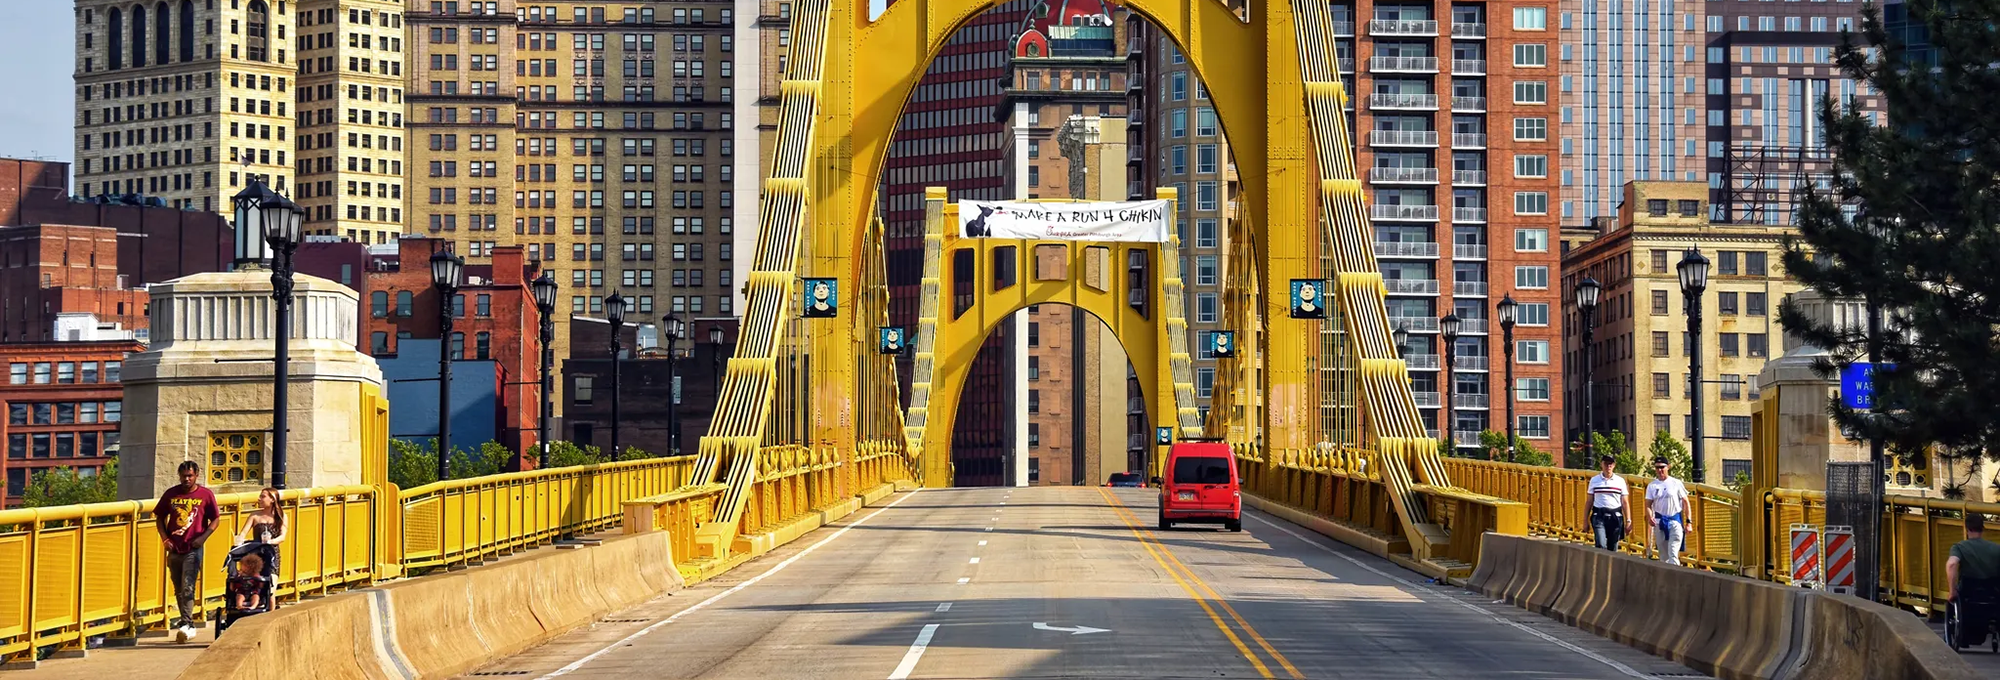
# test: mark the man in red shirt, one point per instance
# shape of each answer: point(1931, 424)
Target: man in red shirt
point(185, 516)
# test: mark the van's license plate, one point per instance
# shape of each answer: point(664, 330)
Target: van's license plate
point(1186, 495)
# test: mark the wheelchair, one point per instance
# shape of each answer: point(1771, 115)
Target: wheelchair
point(1972, 618)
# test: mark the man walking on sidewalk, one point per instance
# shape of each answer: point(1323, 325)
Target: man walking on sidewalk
point(1667, 502)
point(1610, 500)
point(185, 515)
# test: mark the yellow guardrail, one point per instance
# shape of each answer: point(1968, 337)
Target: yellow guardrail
point(466, 520)
point(1917, 535)
point(73, 572)
point(1557, 499)
point(678, 513)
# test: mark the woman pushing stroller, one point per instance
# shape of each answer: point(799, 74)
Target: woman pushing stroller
point(252, 566)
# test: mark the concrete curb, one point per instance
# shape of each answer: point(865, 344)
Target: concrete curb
point(1724, 625)
point(1375, 545)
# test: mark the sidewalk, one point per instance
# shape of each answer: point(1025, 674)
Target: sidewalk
point(1982, 658)
point(156, 657)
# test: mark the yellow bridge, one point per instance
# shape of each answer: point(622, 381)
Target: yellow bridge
point(810, 424)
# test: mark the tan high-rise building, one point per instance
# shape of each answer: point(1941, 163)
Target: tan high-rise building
point(180, 100)
point(351, 141)
point(597, 135)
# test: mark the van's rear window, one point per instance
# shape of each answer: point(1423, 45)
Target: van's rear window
point(1201, 470)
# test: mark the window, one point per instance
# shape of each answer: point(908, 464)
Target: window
point(1532, 389)
point(1531, 92)
point(1754, 304)
point(1531, 203)
point(1759, 344)
point(41, 373)
point(379, 301)
point(378, 343)
point(1725, 263)
point(1534, 427)
point(1662, 388)
point(1728, 342)
point(1732, 387)
point(1659, 303)
point(1736, 427)
point(584, 392)
point(1034, 334)
point(1753, 264)
point(1531, 129)
point(1531, 18)
point(1725, 304)
point(1659, 261)
point(1531, 54)
point(17, 374)
point(1662, 344)
point(1531, 240)
point(1532, 351)
point(1531, 276)
point(1533, 314)
point(1531, 166)
point(1034, 401)
point(1035, 367)
point(235, 457)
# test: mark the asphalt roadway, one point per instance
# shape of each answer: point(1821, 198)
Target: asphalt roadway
point(1071, 582)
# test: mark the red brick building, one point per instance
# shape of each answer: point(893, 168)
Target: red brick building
point(63, 254)
point(64, 403)
point(494, 319)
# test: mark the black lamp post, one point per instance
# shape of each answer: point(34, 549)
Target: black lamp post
point(544, 288)
point(1449, 333)
point(261, 211)
point(445, 268)
point(715, 340)
point(1402, 338)
point(1693, 270)
point(674, 328)
point(1507, 306)
point(614, 310)
point(1586, 303)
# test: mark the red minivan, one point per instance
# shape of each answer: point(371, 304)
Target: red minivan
point(1200, 486)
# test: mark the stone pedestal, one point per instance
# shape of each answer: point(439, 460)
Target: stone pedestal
point(204, 390)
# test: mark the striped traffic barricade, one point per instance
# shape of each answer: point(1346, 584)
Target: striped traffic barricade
point(1805, 555)
point(1840, 559)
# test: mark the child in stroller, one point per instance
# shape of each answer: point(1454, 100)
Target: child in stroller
point(251, 570)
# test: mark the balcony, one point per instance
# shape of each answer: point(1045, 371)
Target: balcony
point(1427, 213)
point(1403, 64)
point(1346, 65)
point(1344, 29)
point(1411, 286)
point(1427, 399)
point(1466, 438)
point(1403, 175)
point(1422, 361)
point(1468, 288)
point(1472, 326)
point(1460, 140)
point(1468, 363)
point(1406, 27)
point(1398, 100)
point(1468, 104)
point(1459, 30)
point(1402, 138)
point(1468, 67)
point(1405, 249)
point(1416, 324)
point(1135, 117)
point(1468, 401)
point(1468, 214)
point(1468, 251)
point(1468, 177)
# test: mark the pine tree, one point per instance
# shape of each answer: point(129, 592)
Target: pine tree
point(1910, 221)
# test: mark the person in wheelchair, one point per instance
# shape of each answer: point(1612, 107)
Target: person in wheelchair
point(1973, 573)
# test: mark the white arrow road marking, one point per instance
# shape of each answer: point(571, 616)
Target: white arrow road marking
point(1079, 630)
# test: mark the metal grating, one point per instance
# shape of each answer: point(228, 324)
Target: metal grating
point(1848, 489)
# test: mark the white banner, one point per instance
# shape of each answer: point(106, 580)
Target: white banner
point(1141, 221)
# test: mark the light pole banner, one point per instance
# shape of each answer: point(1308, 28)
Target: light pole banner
point(1132, 221)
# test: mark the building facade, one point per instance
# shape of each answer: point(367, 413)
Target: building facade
point(349, 101)
point(1632, 100)
point(648, 369)
point(64, 404)
point(1640, 346)
point(595, 135)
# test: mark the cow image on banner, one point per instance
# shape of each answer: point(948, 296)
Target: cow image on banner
point(1131, 221)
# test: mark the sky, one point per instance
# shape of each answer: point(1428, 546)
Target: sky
point(38, 47)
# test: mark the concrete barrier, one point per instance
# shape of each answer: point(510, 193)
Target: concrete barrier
point(447, 624)
point(1727, 626)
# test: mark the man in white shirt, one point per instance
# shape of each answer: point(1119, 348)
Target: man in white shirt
point(1667, 502)
point(1609, 499)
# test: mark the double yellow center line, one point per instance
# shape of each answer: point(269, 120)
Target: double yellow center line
point(1203, 595)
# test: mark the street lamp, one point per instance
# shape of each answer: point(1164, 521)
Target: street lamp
point(445, 268)
point(1402, 337)
point(1449, 332)
point(279, 220)
point(544, 288)
point(715, 356)
point(1586, 303)
point(1507, 306)
point(674, 328)
point(614, 310)
point(1693, 269)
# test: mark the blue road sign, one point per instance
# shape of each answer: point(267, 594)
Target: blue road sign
point(1857, 385)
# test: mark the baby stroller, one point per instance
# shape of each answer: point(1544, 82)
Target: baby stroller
point(255, 590)
point(1971, 617)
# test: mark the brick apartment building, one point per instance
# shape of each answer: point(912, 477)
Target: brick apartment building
point(59, 254)
point(63, 402)
point(645, 384)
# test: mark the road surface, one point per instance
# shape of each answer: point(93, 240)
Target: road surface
point(1071, 582)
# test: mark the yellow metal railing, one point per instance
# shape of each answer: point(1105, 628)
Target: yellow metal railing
point(1556, 499)
point(72, 572)
point(1917, 535)
point(466, 520)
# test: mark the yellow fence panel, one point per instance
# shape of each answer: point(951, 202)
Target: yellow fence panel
point(465, 521)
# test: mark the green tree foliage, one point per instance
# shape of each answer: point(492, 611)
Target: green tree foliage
point(1911, 222)
point(69, 486)
point(1494, 444)
point(1612, 443)
point(566, 454)
point(1679, 463)
point(414, 464)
